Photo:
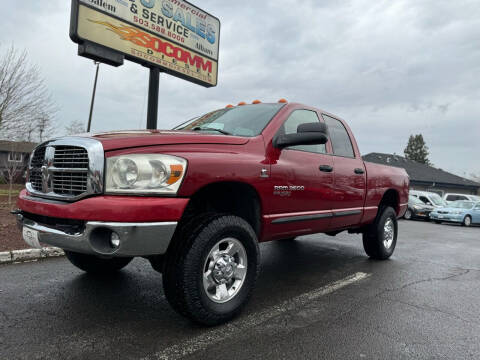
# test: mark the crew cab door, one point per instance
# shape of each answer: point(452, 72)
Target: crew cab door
point(302, 181)
point(349, 176)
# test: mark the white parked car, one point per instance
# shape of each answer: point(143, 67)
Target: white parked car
point(449, 197)
point(429, 198)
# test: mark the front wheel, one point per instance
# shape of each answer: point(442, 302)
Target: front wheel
point(95, 265)
point(211, 271)
point(380, 238)
point(408, 215)
point(467, 221)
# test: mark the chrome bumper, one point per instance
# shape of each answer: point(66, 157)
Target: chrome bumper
point(136, 239)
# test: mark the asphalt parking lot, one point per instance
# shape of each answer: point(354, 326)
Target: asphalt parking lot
point(317, 297)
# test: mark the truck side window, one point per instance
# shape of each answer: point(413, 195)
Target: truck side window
point(290, 127)
point(342, 146)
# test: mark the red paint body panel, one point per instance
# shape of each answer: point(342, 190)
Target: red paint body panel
point(218, 158)
point(108, 208)
point(129, 139)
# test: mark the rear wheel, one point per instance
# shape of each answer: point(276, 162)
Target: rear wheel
point(467, 221)
point(94, 265)
point(210, 273)
point(380, 238)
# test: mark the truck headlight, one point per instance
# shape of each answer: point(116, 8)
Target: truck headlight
point(144, 174)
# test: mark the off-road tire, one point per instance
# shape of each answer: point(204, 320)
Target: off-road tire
point(373, 237)
point(95, 265)
point(185, 261)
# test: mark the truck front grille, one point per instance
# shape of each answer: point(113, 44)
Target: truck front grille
point(70, 183)
point(59, 170)
point(36, 179)
point(70, 157)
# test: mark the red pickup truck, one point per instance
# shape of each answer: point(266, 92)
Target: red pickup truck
point(197, 200)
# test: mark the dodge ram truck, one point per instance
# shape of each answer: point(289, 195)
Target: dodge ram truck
point(197, 200)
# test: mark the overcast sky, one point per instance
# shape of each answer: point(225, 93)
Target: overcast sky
point(390, 68)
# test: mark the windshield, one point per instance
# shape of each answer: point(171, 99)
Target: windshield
point(437, 200)
point(462, 204)
point(247, 120)
point(474, 197)
point(415, 201)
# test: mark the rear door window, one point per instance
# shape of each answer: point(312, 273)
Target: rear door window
point(341, 143)
point(456, 197)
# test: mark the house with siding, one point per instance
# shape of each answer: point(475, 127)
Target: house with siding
point(427, 178)
point(15, 155)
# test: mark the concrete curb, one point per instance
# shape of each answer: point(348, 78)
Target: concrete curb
point(19, 256)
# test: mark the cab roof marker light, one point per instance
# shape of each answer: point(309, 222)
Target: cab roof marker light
point(229, 106)
point(241, 103)
point(255, 102)
point(282, 101)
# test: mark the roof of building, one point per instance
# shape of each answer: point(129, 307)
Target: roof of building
point(419, 172)
point(17, 146)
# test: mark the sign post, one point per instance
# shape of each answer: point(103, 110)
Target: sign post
point(89, 127)
point(170, 36)
point(152, 110)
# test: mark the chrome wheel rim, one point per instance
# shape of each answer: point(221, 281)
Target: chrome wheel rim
point(467, 221)
point(408, 214)
point(225, 270)
point(388, 233)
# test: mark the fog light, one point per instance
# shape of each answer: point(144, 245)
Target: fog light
point(115, 240)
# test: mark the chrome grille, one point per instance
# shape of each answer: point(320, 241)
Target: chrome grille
point(35, 177)
point(70, 183)
point(66, 169)
point(70, 157)
point(38, 157)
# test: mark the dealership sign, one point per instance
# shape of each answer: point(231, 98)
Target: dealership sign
point(174, 35)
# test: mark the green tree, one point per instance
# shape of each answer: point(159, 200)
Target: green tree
point(417, 150)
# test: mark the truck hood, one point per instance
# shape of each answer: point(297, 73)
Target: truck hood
point(140, 138)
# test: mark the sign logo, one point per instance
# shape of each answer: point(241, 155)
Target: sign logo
point(153, 43)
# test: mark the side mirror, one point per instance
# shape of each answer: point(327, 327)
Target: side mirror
point(307, 134)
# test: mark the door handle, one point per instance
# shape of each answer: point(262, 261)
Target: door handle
point(326, 168)
point(359, 171)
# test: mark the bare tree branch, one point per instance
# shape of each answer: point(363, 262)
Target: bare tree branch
point(75, 127)
point(26, 107)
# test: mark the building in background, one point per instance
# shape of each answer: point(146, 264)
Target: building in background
point(14, 156)
point(427, 178)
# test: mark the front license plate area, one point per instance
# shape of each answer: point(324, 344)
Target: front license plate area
point(30, 236)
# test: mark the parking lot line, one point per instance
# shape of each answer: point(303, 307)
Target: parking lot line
point(216, 335)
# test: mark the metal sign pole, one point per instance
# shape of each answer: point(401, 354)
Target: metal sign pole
point(153, 87)
point(93, 98)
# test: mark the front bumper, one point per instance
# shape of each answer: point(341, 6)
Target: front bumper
point(421, 213)
point(135, 239)
point(446, 217)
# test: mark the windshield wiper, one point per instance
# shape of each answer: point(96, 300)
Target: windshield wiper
point(212, 129)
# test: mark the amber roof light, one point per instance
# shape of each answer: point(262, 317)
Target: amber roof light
point(229, 106)
point(255, 102)
point(242, 103)
point(282, 101)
